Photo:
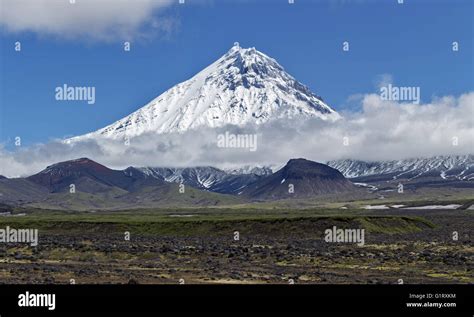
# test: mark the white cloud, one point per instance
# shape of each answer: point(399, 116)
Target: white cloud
point(100, 20)
point(383, 130)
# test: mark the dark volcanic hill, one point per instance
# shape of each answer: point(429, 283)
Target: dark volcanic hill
point(98, 187)
point(89, 177)
point(19, 191)
point(308, 178)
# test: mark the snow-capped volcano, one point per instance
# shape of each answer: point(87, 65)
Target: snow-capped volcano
point(243, 86)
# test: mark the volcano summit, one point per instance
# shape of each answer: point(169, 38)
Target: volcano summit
point(242, 87)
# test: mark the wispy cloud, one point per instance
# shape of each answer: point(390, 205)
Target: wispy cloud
point(383, 80)
point(95, 20)
point(382, 130)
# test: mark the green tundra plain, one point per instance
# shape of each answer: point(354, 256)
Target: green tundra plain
point(277, 242)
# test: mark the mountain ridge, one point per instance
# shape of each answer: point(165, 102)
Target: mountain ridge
point(97, 186)
point(459, 167)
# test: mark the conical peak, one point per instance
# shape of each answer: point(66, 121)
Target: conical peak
point(246, 59)
point(237, 49)
point(244, 86)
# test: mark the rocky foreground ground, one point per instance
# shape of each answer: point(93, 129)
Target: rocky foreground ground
point(291, 252)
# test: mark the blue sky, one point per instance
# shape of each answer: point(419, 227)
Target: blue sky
point(411, 42)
